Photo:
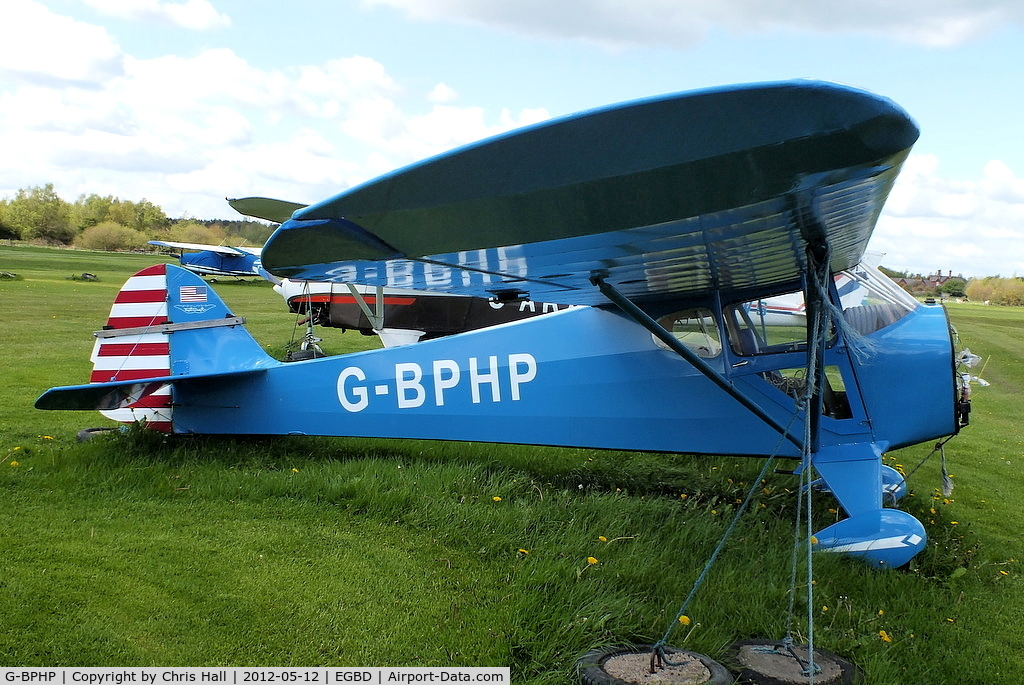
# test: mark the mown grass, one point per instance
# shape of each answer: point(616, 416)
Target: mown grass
point(137, 549)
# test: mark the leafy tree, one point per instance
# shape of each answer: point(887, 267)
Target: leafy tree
point(996, 290)
point(90, 210)
point(254, 232)
point(141, 216)
point(7, 231)
point(954, 287)
point(38, 214)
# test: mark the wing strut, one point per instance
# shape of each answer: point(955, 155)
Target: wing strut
point(376, 319)
point(642, 318)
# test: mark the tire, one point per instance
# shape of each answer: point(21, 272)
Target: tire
point(87, 434)
point(592, 672)
point(839, 671)
point(303, 355)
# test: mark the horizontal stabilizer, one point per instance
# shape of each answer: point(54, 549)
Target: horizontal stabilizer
point(117, 394)
point(166, 327)
point(266, 208)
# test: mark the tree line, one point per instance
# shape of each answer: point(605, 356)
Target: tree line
point(104, 222)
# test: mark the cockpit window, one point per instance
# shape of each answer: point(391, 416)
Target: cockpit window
point(871, 300)
point(768, 325)
point(694, 328)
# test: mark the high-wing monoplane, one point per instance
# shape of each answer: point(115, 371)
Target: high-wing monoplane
point(219, 260)
point(670, 218)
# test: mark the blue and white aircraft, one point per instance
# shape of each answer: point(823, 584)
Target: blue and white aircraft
point(219, 260)
point(670, 219)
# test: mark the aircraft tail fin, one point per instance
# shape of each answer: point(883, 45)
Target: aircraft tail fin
point(118, 355)
point(166, 324)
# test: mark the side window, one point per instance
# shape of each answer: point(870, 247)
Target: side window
point(694, 328)
point(769, 325)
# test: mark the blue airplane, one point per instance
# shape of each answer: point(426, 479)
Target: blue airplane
point(219, 260)
point(669, 219)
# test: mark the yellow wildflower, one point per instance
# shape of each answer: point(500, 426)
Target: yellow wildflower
point(496, 498)
point(14, 463)
point(884, 635)
point(523, 551)
point(591, 560)
point(684, 619)
point(294, 470)
point(602, 538)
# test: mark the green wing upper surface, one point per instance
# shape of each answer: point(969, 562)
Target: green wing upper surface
point(666, 197)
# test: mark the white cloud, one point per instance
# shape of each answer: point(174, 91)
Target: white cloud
point(45, 48)
point(443, 94)
point(974, 227)
point(682, 23)
point(186, 130)
point(198, 15)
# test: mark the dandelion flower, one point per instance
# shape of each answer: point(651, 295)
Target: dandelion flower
point(814, 540)
point(884, 635)
point(684, 619)
point(523, 551)
point(496, 498)
point(602, 538)
point(881, 612)
point(824, 608)
point(14, 463)
point(591, 560)
point(295, 470)
point(1004, 573)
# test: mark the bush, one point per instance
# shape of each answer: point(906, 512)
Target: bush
point(996, 290)
point(110, 236)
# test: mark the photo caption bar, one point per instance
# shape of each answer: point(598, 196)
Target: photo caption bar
point(257, 676)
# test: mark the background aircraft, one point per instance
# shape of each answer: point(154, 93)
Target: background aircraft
point(403, 316)
point(219, 260)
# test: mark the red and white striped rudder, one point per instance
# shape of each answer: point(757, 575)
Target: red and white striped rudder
point(141, 303)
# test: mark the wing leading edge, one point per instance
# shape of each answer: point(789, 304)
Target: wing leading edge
point(677, 195)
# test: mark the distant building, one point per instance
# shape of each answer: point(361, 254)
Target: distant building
point(918, 283)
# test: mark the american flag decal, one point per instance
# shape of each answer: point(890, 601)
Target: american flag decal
point(192, 293)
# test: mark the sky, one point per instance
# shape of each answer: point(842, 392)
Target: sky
point(186, 102)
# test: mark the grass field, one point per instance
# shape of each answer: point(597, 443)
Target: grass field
point(140, 550)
